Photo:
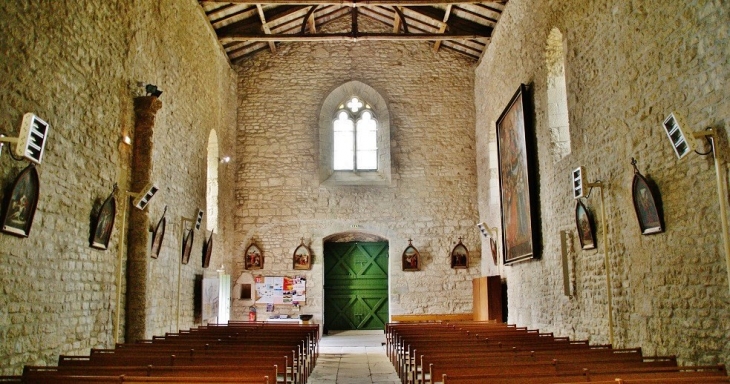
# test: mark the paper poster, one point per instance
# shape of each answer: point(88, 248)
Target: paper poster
point(281, 290)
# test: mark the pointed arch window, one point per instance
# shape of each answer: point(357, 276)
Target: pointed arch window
point(355, 132)
point(354, 137)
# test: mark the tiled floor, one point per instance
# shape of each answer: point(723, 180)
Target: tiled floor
point(353, 357)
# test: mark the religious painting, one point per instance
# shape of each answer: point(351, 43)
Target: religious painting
point(158, 235)
point(207, 251)
point(518, 181)
point(411, 259)
point(493, 248)
point(253, 258)
point(302, 258)
point(584, 223)
point(187, 246)
point(104, 223)
point(646, 204)
point(460, 256)
point(21, 202)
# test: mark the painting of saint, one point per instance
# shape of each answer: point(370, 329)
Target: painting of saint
point(459, 256)
point(104, 222)
point(584, 223)
point(645, 205)
point(253, 259)
point(411, 258)
point(302, 258)
point(21, 204)
point(514, 174)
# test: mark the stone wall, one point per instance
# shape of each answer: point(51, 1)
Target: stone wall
point(432, 196)
point(76, 65)
point(628, 65)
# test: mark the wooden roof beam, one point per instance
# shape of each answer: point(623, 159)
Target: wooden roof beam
point(349, 36)
point(267, 30)
point(442, 29)
point(353, 3)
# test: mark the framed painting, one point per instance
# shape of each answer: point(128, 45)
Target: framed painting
point(207, 251)
point(411, 259)
point(517, 157)
point(104, 222)
point(21, 202)
point(646, 204)
point(460, 256)
point(584, 223)
point(253, 258)
point(493, 248)
point(187, 246)
point(302, 258)
point(158, 235)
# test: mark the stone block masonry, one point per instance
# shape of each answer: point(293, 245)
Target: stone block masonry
point(432, 196)
point(627, 66)
point(76, 65)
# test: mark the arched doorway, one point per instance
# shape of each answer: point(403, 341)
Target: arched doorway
point(355, 282)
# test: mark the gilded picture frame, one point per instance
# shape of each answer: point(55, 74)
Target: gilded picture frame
point(411, 258)
point(516, 154)
point(253, 258)
point(302, 257)
point(585, 227)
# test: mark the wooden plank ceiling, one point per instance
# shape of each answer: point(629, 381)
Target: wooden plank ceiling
point(245, 27)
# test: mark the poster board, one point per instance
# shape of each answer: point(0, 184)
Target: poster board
point(279, 290)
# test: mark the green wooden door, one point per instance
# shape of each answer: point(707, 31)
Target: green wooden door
point(355, 285)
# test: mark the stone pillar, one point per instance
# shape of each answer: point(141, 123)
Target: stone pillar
point(138, 234)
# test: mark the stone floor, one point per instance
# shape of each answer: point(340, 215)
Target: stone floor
point(353, 357)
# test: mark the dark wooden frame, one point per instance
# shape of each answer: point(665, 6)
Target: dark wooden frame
point(517, 155)
point(207, 251)
point(460, 256)
point(302, 257)
point(584, 225)
point(647, 204)
point(493, 250)
point(104, 222)
point(411, 258)
point(187, 246)
point(250, 264)
point(21, 202)
point(158, 235)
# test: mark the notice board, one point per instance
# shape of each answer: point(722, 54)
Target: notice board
point(281, 290)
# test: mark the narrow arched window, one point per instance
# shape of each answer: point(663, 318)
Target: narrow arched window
point(355, 137)
point(557, 95)
point(211, 191)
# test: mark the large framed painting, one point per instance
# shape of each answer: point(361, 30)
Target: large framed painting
point(517, 158)
point(21, 202)
point(104, 223)
point(646, 204)
point(584, 223)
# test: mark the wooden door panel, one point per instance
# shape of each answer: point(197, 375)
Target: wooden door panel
point(356, 285)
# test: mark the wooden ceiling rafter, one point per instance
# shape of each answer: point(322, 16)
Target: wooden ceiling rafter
point(265, 27)
point(245, 27)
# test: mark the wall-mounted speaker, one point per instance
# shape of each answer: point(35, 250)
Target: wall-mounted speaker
point(483, 229)
point(579, 186)
point(32, 138)
point(673, 127)
point(145, 196)
point(199, 219)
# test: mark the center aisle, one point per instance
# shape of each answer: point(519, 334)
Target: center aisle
point(353, 357)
